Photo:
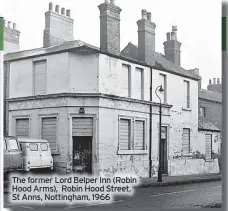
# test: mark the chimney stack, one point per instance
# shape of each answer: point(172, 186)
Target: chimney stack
point(146, 38)
point(58, 27)
point(11, 37)
point(110, 27)
point(172, 47)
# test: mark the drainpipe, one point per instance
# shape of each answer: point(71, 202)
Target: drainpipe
point(150, 135)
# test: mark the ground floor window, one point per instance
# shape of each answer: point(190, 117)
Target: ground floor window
point(208, 146)
point(22, 127)
point(131, 134)
point(49, 131)
point(186, 141)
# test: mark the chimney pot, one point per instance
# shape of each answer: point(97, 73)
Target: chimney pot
point(174, 28)
point(50, 6)
point(218, 81)
point(168, 36)
point(9, 24)
point(4, 22)
point(144, 14)
point(63, 11)
point(149, 16)
point(107, 1)
point(214, 80)
point(172, 35)
point(209, 81)
point(14, 26)
point(57, 8)
point(113, 2)
point(68, 13)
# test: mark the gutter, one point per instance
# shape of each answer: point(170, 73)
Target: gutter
point(150, 130)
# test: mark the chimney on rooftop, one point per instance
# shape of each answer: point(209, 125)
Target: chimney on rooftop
point(172, 47)
point(58, 26)
point(146, 38)
point(11, 37)
point(110, 27)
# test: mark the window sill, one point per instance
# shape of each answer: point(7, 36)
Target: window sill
point(187, 155)
point(131, 152)
point(186, 109)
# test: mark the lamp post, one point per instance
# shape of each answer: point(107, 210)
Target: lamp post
point(160, 89)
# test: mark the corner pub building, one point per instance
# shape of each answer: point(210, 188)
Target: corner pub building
point(98, 108)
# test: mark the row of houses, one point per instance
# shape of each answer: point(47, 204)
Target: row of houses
point(98, 107)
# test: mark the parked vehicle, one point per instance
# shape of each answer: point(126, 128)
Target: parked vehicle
point(12, 154)
point(36, 154)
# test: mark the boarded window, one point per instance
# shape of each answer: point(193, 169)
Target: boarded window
point(186, 141)
point(164, 86)
point(22, 127)
point(186, 94)
point(49, 129)
point(138, 79)
point(82, 127)
point(125, 134)
point(40, 77)
point(139, 139)
point(208, 147)
point(125, 81)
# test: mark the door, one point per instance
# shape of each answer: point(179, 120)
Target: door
point(6, 156)
point(33, 155)
point(164, 150)
point(46, 158)
point(82, 132)
point(15, 153)
point(82, 154)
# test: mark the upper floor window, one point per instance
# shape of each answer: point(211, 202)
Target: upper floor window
point(40, 77)
point(126, 81)
point(186, 94)
point(164, 86)
point(139, 86)
point(202, 111)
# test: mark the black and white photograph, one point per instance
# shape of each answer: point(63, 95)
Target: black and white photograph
point(112, 104)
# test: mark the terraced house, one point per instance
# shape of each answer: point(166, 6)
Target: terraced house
point(99, 107)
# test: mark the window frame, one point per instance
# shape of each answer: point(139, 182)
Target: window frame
point(129, 79)
point(10, 149)
point(189, 142)
point(204, 111)
point(188, 104)
point(211, 144)
point(132, 136)
point(30, 147)
point(142, 81)
point(33, 75)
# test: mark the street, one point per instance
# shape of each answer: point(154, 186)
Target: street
point(198, 195)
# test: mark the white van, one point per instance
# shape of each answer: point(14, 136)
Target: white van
point(36, 154)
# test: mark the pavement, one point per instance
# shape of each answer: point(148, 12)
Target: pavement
point(178, 180)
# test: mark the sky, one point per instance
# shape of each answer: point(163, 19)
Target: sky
point(198, 26)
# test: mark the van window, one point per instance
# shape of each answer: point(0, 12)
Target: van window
point(44, 147)
point(4, 144)
point(13, 144)
point(33, 147)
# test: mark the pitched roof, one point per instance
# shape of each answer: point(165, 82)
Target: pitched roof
point(205, 124)
point(65, 46)
point(131, 51)
point(209, 95)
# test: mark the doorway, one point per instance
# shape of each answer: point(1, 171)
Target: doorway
point(82, 154)
point(164, 155)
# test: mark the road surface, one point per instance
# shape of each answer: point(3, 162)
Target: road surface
point(169, 197)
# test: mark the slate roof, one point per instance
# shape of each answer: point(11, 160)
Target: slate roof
point(129, 52)
point(209, 95)
point(205, 124)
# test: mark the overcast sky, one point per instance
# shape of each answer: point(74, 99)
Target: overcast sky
point(198, 23)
